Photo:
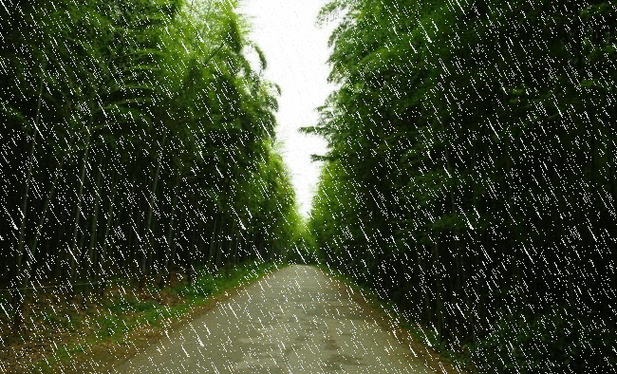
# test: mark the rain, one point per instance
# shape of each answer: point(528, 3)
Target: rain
point(320, 186)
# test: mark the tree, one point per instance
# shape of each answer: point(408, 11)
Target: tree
point(134, 127)
point(463, 132)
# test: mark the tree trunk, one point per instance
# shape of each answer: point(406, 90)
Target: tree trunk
point(22, 275)
point(103, 262)
point(75, 245)
point(146, 266)
point(165, 278)
point(439, 294)
point(88, 257)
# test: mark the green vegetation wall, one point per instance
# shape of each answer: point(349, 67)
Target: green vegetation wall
point(136, 139)
point(471, 172)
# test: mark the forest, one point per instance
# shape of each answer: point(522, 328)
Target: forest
point(470, 176)
point(137, 140)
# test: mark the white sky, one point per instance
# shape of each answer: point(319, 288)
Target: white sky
point(296, 51)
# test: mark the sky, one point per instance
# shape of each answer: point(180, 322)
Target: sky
point(296, 50)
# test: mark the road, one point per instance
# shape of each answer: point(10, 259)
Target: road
point(297, 320)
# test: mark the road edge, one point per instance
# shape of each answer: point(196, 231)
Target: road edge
point(392, 323)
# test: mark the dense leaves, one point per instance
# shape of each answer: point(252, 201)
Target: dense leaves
point(472, 172)
point(136, 139)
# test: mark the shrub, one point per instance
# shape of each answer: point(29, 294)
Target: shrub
point(203, 287)
point(550, 342)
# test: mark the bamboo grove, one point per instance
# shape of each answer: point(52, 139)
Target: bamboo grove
point(471, 173)
point(136, 139)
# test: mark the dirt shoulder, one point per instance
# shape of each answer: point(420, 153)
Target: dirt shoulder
point(92, 334)
point(429, 356)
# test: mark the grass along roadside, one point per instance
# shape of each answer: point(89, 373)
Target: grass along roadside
point(424, 342)
point(91, 334)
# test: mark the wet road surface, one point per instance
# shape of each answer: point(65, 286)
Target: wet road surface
point(297, 320)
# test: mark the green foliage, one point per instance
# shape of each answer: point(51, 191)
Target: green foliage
point(208, 284)
point(304, 249)
point(126, 305)
point(142, 124)
point(553, 342)
point(112, 325)
point(60, 321)
point(468, 177)
point(203, 287)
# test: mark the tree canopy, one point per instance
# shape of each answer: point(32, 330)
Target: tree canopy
point(138, 140)
point(470, 173)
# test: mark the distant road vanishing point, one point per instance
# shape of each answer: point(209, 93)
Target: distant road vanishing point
point(297, 320)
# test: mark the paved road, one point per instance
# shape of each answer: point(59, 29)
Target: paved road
point(297, 320)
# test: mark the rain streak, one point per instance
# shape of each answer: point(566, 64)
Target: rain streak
point(464, 220)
